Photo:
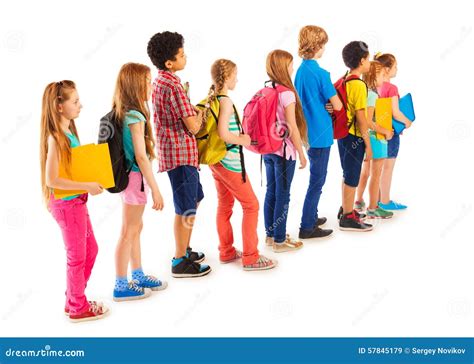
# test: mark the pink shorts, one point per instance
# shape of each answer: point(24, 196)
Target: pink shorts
point(133, 195)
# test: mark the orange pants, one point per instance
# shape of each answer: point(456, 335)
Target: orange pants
point(230, 187)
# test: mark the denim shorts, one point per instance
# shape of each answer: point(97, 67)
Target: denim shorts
point(393, 146)
point(351, 153)
point(187, 189)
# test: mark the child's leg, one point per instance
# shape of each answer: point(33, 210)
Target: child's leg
point(318, 161)
point(72, 219)
point(374, 185)
point(92, 249)
point(270, 195)
point(282, 192)
point(364, 176)
point(131, 226)
point(136, 253)
point(386, 179)
point(225, 203)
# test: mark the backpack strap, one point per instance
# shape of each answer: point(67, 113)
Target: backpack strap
point(345, 81)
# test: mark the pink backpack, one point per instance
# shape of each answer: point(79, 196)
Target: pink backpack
point(260, 120)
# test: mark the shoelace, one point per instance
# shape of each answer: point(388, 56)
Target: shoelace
point(95, 308)
point(132, 285)
point(152, 279)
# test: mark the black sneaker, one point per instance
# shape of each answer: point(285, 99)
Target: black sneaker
point(360, 215)
point(321, 221)
point(185, 268)
point(316, 233)
point(195, 257)
point(351, 222)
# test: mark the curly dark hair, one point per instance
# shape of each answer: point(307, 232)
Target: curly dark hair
point(354, 52)
point(164, 47)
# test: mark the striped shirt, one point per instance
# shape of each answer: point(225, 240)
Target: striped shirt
point(231, 161)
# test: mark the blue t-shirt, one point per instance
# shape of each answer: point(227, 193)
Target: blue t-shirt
point(131, 117)
point(74, 142)
point(315, 88)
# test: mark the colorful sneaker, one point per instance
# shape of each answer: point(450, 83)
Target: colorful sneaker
point(352, 222)
point(262, 263)
point(237, 255)
point(359, 206)
point(96, 311)
point(131, 293)
point(269, 241)
point(392, 205)
point(379, 213)
point(195, 257)
point(288, 245)
point(185, 268)
point(360, 215)
point(152, 283)
point(66, 309)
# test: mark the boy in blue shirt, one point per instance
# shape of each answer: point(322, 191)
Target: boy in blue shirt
point(315, 90)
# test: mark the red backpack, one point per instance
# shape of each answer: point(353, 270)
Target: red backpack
point(341, 124)
point(260, 120)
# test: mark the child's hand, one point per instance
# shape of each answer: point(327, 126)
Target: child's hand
point(329, 108)
point(245, 140)
point(368, 154)
point(303, 160)
point(388, 134)
point(407, 125)
point(94, 188)
point(158, 203)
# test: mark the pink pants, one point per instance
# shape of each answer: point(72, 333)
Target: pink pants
point(230, 187)
point(81, 248)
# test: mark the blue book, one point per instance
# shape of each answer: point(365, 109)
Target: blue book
point(406, 107)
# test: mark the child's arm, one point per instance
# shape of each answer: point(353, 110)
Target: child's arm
point(336, 103)
point(194, 123)
point(363, 125)
point(52, 174)
point(295, 136)
point(397, 114)
point(375, 127)
point(138, 138)
point(225, 111)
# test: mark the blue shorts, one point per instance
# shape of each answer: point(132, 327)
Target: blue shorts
point(351, 152)
point(379, 146)
point(187, 189)
point(393, 146)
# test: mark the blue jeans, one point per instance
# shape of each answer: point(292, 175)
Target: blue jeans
point(277, 198)
point(318, 167)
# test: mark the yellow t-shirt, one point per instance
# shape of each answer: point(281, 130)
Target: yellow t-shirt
point(356, 100)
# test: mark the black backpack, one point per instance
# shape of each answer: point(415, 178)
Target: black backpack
point(111, 132)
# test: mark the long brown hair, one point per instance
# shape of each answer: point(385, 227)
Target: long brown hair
point(131, 94)
point(277, 69)
point(221, 70)
point(370, 77)
point(386, 59)
point(55, 94)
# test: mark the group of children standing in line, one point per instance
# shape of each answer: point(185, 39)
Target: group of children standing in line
point(304, 107)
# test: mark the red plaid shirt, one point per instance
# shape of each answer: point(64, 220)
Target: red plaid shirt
point(176, 146)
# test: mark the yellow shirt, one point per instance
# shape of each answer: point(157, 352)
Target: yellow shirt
point(356, 100)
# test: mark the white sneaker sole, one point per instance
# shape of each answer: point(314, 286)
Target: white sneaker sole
point(92, 318)
point(356, 230)
point(249, 269)
point(163, 286)
point(286, 249)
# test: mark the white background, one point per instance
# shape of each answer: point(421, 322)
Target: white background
point(412, 276)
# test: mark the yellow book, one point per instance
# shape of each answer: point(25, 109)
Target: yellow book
point(89, 163)
point(383, 114)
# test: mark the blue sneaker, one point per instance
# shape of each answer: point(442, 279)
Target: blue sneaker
point(132, 292)
point(392, 205)
point(152, 283)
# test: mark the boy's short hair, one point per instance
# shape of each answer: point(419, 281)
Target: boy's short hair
point(311, 39)
point(354, 52)
point(164, 47)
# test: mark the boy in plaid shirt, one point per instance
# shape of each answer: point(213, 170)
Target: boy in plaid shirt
point(176, 123)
